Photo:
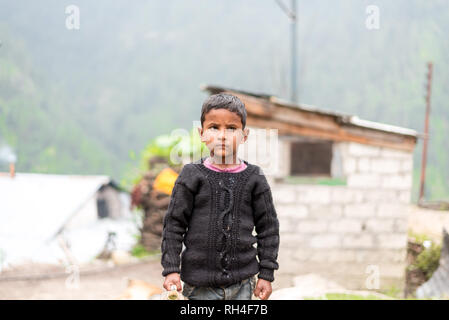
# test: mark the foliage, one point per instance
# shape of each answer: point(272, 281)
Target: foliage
point(428, 259)
point(173, 148)
point(139, 251)
point(392, 291)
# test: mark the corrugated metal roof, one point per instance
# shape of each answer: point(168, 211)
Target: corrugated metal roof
point(354, 120)
point(340, 116)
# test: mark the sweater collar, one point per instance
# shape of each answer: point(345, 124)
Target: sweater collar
point(244, 173)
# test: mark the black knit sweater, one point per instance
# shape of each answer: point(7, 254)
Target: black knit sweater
point(214, 214)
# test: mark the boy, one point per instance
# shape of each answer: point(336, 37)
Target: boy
point(215, 204)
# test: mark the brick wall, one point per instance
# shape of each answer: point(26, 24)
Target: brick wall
point(346, 232)
point(339, 232)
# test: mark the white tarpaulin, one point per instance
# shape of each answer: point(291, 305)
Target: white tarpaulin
point(34, 207)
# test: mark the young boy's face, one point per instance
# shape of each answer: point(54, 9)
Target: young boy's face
point(222, 132)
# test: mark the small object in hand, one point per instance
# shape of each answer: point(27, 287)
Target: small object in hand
point(173, 294)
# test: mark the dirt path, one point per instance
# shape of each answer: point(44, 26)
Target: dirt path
point(102, 283)
point(95, 282)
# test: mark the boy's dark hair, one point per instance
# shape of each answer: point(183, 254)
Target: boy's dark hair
point(224, 101)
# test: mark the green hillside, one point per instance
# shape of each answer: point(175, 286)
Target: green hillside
point(80, 101)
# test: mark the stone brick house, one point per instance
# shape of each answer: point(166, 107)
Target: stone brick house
point(341, 187)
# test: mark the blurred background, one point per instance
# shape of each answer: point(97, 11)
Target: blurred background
point(80, 101)
point(93, 101)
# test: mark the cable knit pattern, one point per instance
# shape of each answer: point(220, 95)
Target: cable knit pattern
point(214, 214)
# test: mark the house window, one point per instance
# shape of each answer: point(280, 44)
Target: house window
point(311, 158)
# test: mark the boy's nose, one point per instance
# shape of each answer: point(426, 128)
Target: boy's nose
point(222, 134)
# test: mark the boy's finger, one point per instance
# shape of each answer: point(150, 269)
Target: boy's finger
point(170, 285)
point(265, 294)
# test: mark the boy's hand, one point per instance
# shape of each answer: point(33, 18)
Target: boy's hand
point(263, 289)
point(172, 279)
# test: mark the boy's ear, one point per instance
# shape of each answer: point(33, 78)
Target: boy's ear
point(200, 132)
point(245, 134)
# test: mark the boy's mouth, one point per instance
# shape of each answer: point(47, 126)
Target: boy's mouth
point(222, 147)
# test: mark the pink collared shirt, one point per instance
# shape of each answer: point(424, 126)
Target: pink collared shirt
point(238, 168)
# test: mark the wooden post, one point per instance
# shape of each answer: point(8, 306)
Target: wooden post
point(426, 132)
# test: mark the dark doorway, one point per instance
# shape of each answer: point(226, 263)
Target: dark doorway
point(102, 208)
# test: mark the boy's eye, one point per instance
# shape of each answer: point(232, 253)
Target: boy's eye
point(231, 129)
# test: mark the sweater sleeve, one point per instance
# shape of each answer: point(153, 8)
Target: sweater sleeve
point(175, 225)
point(267, 229)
